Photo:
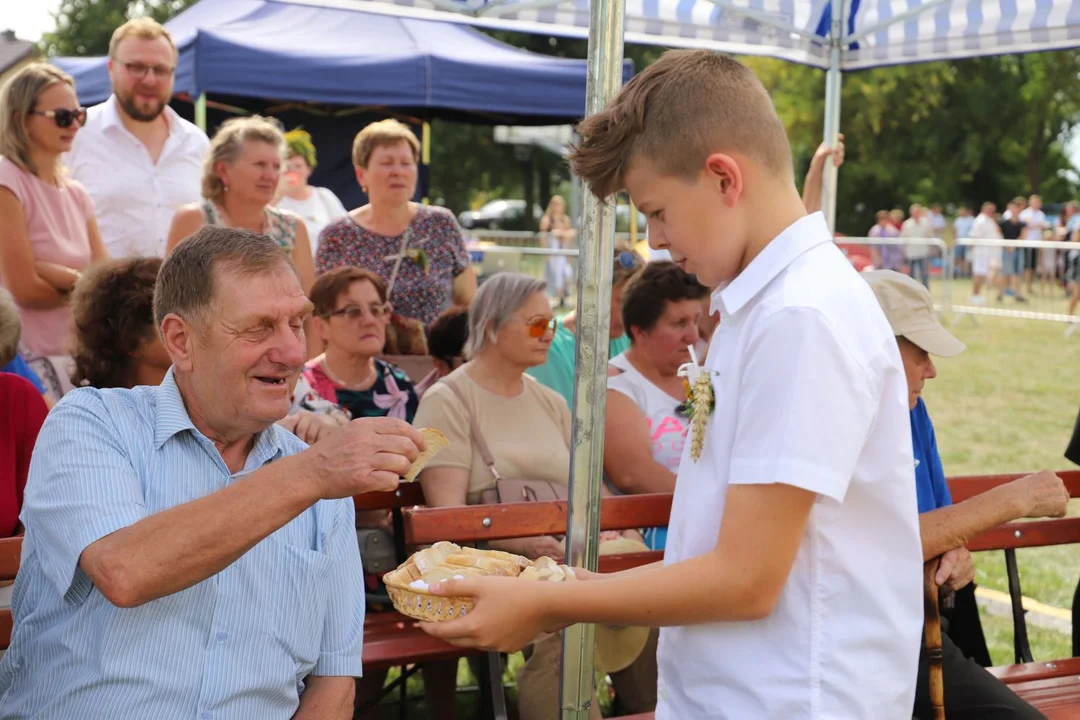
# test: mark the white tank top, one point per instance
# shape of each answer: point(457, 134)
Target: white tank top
point(666, 427)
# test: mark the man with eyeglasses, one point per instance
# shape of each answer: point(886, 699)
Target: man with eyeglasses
point(136, 157)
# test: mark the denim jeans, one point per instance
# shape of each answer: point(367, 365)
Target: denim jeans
point(919, 269)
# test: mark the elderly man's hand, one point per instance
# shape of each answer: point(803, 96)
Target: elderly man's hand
point(956, 569)
point(310, 427)
point(1042, 495)
point(367, 455)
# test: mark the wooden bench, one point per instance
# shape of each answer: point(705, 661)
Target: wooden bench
point(1009, 538)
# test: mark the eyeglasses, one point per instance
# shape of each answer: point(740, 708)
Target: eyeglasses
point(355, 312)
point(139, 70)
point(539, 326)
point(63, 117)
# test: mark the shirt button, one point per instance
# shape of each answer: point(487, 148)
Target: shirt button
point(222, 637)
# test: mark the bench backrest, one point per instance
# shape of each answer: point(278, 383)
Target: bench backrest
point(1033, 533)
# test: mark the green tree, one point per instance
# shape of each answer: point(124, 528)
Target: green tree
point(84, 27)
point(950, 132)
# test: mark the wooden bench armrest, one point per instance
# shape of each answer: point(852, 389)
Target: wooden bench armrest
point(966, 486)
point(1036, 533)
point(424, 526)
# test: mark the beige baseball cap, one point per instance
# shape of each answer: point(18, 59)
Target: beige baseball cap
point(909, 308)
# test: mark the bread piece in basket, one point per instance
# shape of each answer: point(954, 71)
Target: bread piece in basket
point(409, 583)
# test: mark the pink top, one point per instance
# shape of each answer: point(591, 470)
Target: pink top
point(56, 223)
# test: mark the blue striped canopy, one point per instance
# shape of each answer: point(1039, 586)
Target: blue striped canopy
point(875, 32)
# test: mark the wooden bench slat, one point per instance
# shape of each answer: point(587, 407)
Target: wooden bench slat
point(967, 486)
point(1027, 672)
point(1055, 694)
point(410, 645)
point(424, 526)
point(408, 494)
point(1038, 533)
point(10, 556)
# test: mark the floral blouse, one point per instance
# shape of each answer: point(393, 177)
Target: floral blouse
point(280, 225)
point(392, 395)
point(434, 256)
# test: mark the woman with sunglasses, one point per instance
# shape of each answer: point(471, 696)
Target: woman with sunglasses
point(526, 428)
point(48, 234)
point(351, 316)
point(557, 372)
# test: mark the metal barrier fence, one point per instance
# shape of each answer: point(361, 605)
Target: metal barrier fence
point(913, 255)
point(952, 294)
point(1009, 291)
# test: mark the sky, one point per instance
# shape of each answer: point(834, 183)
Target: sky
point(30, 19)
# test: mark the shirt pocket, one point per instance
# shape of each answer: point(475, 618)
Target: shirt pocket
point(300, 593)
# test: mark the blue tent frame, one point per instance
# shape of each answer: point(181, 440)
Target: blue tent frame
point(281, 51)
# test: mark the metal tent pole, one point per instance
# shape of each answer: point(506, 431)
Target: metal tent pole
point(597, 248)
point(200, 112)
point(833, 86)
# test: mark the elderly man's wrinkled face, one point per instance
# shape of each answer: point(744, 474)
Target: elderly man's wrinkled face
point(918, 367)
point(247, 361)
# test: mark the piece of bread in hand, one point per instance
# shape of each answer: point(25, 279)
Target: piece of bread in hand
point(436, 442)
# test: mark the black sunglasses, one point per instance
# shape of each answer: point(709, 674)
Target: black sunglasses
point(64, 117)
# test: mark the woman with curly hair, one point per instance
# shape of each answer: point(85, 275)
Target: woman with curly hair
point(318, 206)
point(115, 343)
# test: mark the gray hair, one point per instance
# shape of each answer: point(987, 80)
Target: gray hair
point(185, 284)
point(10, 327)
point(228, 145)
point(494, 304)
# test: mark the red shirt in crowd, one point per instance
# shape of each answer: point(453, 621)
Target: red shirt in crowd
point(22, 412)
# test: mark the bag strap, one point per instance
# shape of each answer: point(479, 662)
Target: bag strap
point(478, 438)
point(397, 262)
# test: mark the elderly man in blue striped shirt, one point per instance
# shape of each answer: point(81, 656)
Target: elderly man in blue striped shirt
point(185, 557)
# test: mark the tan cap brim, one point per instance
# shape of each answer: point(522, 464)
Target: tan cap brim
point(936, 340)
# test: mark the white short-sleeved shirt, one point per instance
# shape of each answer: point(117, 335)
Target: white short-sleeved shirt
point(135, 199)
point(810, 392)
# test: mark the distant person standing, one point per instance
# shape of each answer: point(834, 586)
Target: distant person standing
point(137, 158)
point(1012, 259)
point(318, 206)
point(962, 229)
point(890, 257)
point(984, 227)
point(918, 226)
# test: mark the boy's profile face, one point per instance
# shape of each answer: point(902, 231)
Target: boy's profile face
point(692, 218)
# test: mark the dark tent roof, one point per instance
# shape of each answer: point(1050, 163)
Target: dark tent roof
point(281, 51)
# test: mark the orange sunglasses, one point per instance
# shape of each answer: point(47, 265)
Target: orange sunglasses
point(539, 326)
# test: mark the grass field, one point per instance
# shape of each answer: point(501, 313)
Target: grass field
point(1008, 404)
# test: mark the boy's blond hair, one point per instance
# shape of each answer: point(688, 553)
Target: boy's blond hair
point(675, 113)
point(382, 134)
point(143, 28)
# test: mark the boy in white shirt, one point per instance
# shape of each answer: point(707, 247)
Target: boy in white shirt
point(791, 587)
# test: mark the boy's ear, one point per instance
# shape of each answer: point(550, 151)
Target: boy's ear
point(724, 174)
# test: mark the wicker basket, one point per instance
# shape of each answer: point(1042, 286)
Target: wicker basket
point(420, 605)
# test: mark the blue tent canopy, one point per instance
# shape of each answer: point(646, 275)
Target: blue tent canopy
point(298, 53)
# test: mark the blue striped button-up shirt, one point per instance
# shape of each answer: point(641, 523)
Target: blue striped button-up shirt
point(237, 645)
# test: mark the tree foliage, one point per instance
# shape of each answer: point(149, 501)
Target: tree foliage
point(84, 27)
point(950, 132)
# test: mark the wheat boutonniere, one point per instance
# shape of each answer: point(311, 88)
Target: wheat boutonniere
point(700, 401)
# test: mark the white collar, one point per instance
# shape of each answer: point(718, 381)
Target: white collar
point(805, 233)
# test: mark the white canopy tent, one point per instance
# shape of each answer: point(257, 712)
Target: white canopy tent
point(834, 35)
